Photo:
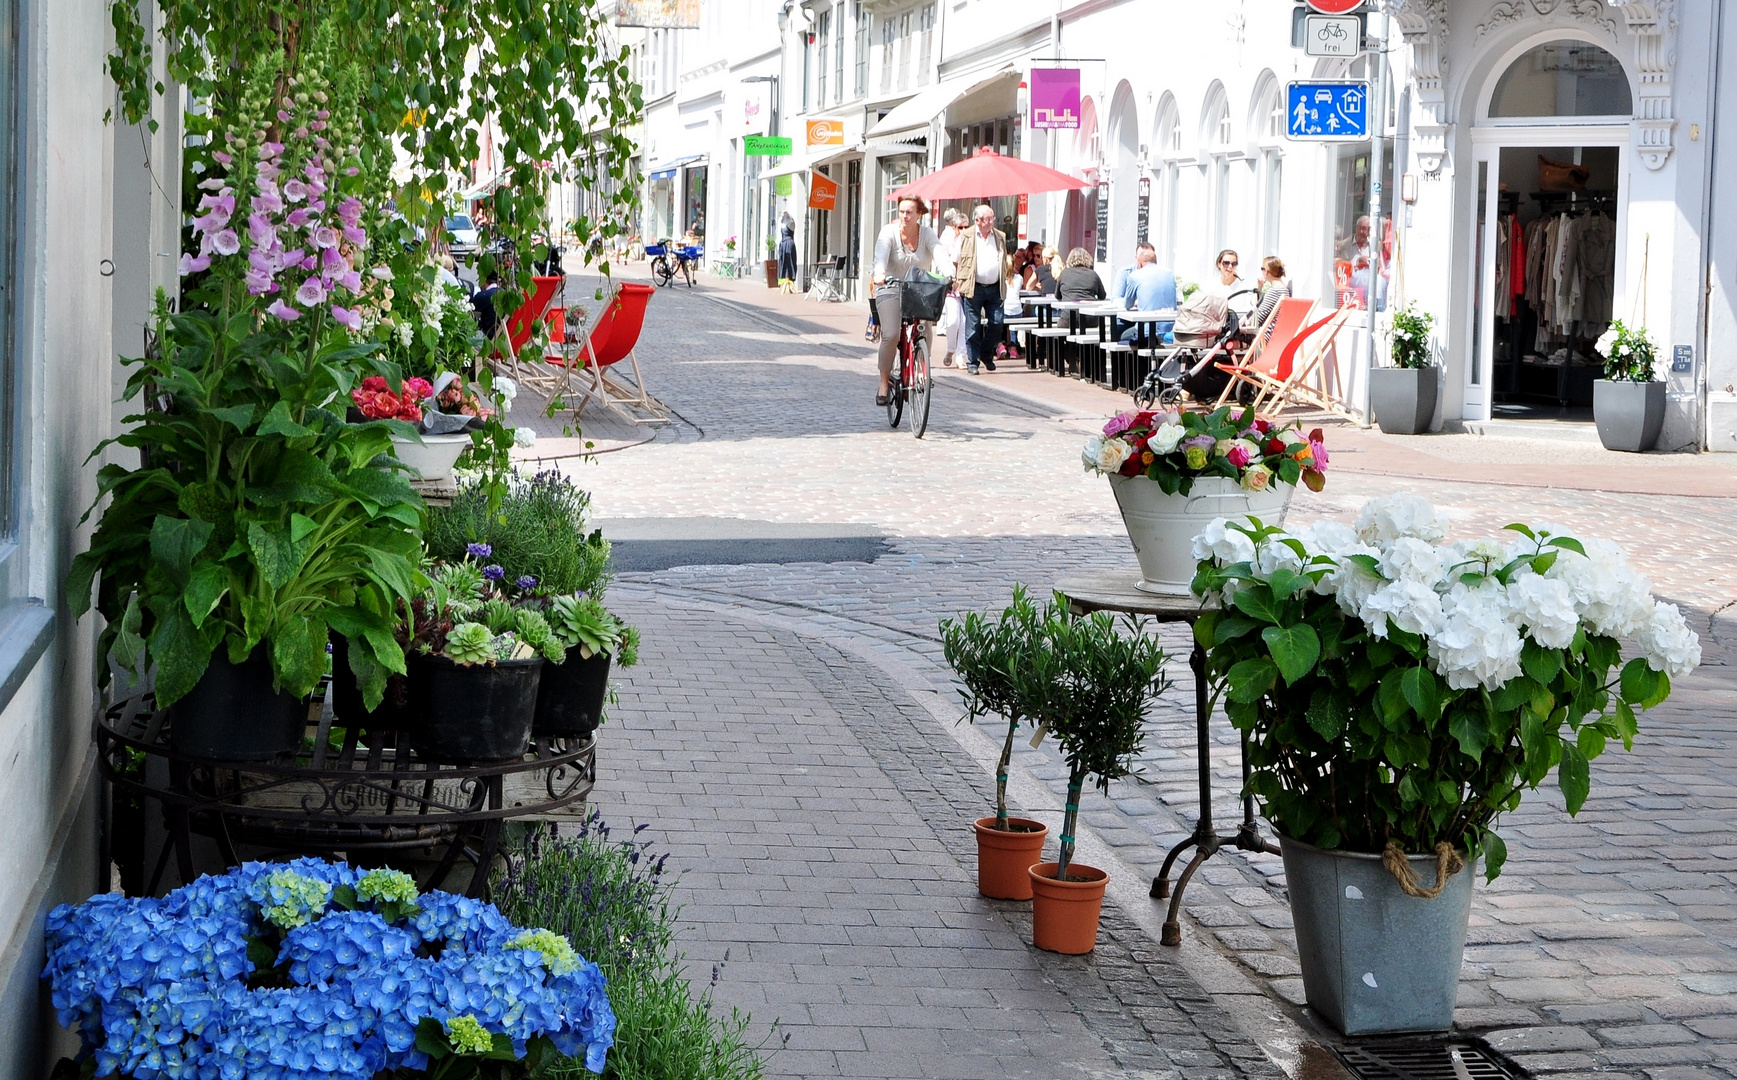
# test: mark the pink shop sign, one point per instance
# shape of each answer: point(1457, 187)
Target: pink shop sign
point(1055, 97)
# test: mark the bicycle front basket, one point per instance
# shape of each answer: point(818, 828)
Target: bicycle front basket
point(922, 299)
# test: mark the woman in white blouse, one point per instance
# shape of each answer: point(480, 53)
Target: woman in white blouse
point(905, 244)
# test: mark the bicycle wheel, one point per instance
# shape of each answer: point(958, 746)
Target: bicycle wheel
point(688, 271)
point(895, 401)
point(922, 386)
point(660, 271)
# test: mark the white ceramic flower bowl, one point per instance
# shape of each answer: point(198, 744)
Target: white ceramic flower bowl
point(433, 457)
point(1162, 527)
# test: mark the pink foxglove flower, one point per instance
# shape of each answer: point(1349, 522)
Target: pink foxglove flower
point(292, 257)
point(283, 311)
point(222, 158)
point(355, 236)
point(350, 281)
point(191, 264)
point(310, 263)
point(260, 231)
point(226, 242)
point(349, 318)
point(384, 273)
point(350, 210)
point(313, 291)
point(332, 259)
point(325, 237)
point(299, 217)
point(258, 282)
point(295, 191)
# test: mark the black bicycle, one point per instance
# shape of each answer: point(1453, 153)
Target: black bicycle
point(669, 260)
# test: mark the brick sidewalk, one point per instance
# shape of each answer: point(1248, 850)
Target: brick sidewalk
point(1608, 947)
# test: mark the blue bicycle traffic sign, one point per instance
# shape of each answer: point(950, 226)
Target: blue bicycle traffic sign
point(1328, 110)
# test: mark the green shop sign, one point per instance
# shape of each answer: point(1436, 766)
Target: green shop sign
point(766, 145)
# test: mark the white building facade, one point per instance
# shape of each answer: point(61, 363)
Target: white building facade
point(1184, 134)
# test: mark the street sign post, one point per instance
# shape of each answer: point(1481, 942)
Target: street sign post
point(1332, 35)
point(1327, 110)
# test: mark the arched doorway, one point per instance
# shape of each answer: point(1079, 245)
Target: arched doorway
point(1122, 169)
point(1550, 156)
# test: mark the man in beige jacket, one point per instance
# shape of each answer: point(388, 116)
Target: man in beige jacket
point(980, 277)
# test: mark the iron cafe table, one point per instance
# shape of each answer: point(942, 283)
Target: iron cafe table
point(1115, 591)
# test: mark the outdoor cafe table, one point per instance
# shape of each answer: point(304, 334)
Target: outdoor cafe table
point(1115, 591)
point(1043, 306)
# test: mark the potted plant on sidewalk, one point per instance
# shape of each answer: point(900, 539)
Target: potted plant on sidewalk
point(1403, 396)
point(1089, 686)
point(1173, 472)
point(1628, 404)
point(990, 657)
point(771, 263)
point(1399, 693)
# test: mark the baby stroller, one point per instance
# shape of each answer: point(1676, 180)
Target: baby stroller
point(1205, 335)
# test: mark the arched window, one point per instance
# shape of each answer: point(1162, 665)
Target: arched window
point(1267, 118)
point(1215, 133)
point(1168, 139)
point(1563, 78)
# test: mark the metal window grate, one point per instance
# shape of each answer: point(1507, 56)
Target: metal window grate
point(1428, 1059)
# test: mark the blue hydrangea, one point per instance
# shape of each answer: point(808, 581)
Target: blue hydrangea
point(158, 988)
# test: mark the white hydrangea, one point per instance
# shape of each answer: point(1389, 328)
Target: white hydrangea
point(1275, 553)
point(1352, 583)
point(1667, 642)
point(1327, 537)
point(1410, 559)
point(1613, 599)
point(1413, 606)
point(1220, 542)
point(1544, 608)
point(1476, 645)
point(1386, 519)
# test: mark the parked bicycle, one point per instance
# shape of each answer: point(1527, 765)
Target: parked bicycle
point(912, 384)
point(669, 259)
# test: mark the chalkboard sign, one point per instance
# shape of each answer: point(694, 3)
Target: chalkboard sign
point(1143, 215)
point(1103, 221)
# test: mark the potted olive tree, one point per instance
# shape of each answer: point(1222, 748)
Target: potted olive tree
point(1089, 686)
point(1399, 693)
point(1403, 396)
point(1628, 404)
point(989, 657)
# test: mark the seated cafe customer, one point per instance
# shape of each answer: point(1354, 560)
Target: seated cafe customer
point(1148, 287)
point(1078, 281)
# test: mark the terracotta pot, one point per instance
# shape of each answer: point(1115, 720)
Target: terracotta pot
point(1064, 914)
point(1004, 857)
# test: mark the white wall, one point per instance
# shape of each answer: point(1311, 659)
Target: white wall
point(66, 343)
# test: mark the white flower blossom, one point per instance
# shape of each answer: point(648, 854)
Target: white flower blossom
point(1390, 517)
point(1326, 537)
point(1613, 599)
point(1477, 645)
point(1166, 438)
point(1545, 608)
point(1352, 583)
point(1668, 643)
point(1410, 605)
point(1223, 544)
point(1410, 559)
point(1109, 455)
point(524, 436)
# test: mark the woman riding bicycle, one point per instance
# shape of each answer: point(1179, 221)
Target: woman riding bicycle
point(905, 244)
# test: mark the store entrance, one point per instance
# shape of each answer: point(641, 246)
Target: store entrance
point(1547, 257)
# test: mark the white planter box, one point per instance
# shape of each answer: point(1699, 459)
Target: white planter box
point(1162, 527)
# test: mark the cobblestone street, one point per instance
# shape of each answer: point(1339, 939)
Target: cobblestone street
point(791, 733)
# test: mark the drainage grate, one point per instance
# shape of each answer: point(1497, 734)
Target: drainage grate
point(1425, 1059)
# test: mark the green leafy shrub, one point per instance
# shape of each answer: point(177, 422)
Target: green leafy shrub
point(537, 530)
point(609, 897)
point(988, 657)
point(1411, 329)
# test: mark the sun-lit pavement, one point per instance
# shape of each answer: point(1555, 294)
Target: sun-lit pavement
point(1608, 945)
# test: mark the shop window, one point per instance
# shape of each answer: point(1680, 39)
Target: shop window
point(1270, 170)
point(1562, 79)
point(905, 51)
point(1353, 242)
point(1168, 140)
point(838, 59)
point(860, 43)
point(1217, 132)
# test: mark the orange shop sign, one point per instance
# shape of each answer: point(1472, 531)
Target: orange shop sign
point(825, 133)
point(822, 193)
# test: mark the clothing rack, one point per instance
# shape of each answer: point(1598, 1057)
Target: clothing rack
point(1549, 203)
point(1591, 199)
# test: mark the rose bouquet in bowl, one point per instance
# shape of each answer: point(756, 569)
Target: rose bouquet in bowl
point(376, 400)
point(1175, 448)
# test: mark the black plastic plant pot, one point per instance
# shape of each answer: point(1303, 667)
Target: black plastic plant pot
point(394, 712)
point(570, 697)
point(473, 712)
point(233, 714)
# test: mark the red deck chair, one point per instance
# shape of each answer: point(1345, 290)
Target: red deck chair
point(1271, 340)
point(521, 322)
point(612, 338)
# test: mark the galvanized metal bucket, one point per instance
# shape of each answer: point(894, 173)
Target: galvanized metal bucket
point(1374, 959)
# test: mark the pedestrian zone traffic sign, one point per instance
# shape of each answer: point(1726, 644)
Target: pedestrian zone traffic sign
point(1327, 110)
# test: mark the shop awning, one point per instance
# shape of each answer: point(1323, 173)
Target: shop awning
point(803, 164)
point(914, 115)
point(667, 170)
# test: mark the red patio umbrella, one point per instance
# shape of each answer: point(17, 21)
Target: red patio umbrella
point(987, 174)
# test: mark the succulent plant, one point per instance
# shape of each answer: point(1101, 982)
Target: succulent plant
point(534, 630)
point(471, 643)
point(582, 623)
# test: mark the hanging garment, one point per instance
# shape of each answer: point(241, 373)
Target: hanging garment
point(1596, 261)
point(1503, 266)
point(1517, 265)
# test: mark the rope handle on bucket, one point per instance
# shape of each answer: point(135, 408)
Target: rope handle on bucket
point(1447, 864)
